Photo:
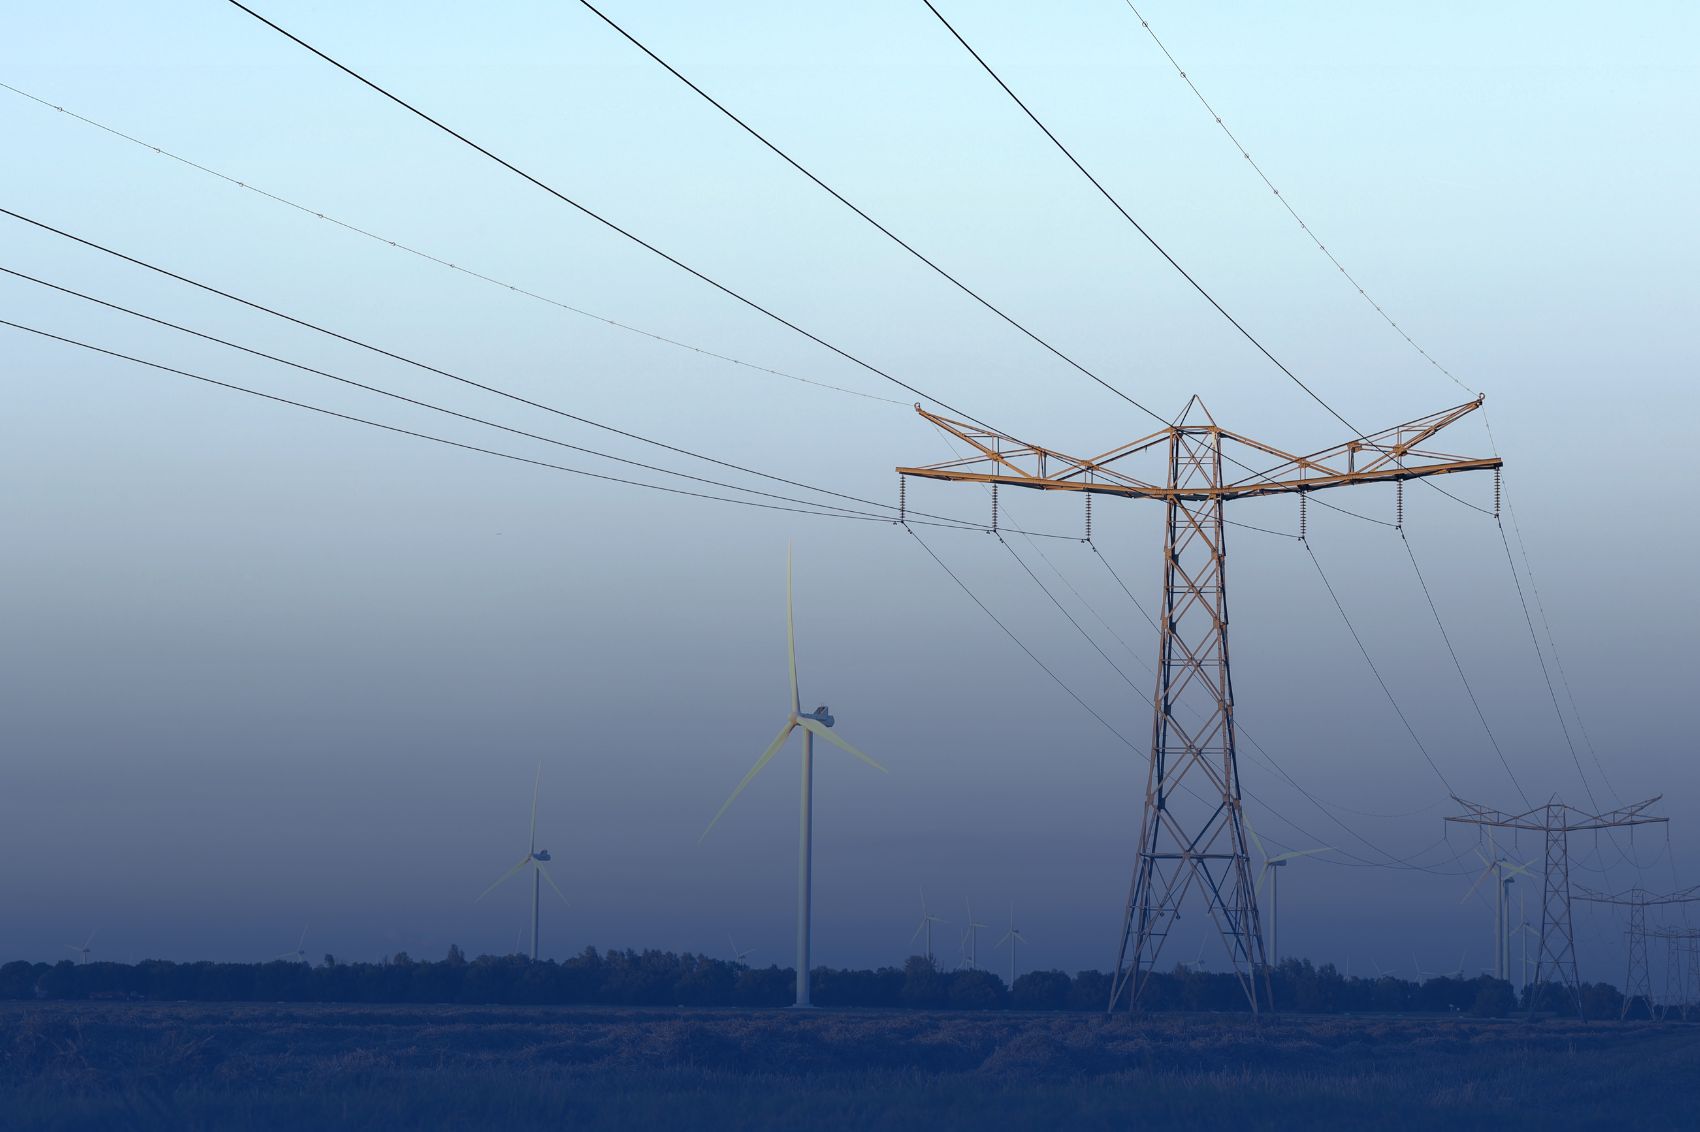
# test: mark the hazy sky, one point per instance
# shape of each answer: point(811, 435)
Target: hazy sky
point(265, 668)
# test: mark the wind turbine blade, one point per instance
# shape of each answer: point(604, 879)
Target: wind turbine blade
point(90, 939)
point(523, 861)
point(831, 736)
point(302, 942)
point(766, 757)
point(536, 785)
point(1297, 853)
point(1484, 875)
point(791, 632)
point(918, 930)
point(553, 885)
point(1003, 939)
point(1255, 840)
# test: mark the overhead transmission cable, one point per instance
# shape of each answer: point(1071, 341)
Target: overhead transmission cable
point(1459, 665)
point(439, 260)
point(591, 214)
point(235, 388)
point(484, 387)
point(1140, 228)
point(847, 203)
point(1376, 672)
point(418, 403)
point(1287, 203)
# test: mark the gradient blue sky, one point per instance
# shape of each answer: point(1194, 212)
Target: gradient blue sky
point(266, 669)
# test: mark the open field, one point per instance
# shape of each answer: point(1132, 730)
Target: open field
point(205, 1066)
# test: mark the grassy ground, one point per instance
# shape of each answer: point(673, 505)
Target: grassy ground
point(194, 1066)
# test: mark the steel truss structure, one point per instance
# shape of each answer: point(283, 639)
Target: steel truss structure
point(1192, 834)
point(1637, 982)
point(1555, 821)
point(1682, 970)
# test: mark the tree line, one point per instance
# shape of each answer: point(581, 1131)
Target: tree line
point(663, 978)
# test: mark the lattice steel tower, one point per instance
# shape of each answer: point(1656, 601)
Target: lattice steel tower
point(1191, 832)
point(1637, 980)
point(1556, 821)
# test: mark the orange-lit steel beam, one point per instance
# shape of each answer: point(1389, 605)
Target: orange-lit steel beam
point(1392, 455)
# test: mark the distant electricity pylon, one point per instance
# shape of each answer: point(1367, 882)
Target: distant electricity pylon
point(1556, 821)
point(1638, 900)
point(1682, 969)
point(1192, 832)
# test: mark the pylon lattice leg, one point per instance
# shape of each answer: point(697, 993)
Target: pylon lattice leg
point(1192, 835)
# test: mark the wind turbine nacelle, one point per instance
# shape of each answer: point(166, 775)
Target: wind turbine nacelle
point(821, 714)
point(541, 855)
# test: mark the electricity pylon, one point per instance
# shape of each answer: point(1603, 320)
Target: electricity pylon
point(1556, 821)
point(1191, 832)
point(1682, 969)
point(1638, 900)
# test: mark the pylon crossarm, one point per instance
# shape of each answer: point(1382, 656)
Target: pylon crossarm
point(1392, 454)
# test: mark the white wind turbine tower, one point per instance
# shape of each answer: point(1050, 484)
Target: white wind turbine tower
point(813, 723)
point(1500, 868)
point(83, 951)
point(926, 926)
point(300, 952)
point(1271, 870)
point(1011, 937)
point(970, 936)
point(535, 858)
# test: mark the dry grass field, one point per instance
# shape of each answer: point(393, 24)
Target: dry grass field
point(223, 1066)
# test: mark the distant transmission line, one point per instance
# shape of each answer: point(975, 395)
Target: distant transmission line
point(591, 214)
point(1287, 204)
point(399, 246)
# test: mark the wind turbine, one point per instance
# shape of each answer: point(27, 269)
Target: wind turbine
point(817, 722)
point(1012, 937)
point(535, 858)
point(83, 951)
point(1271, 870)
point(737, 956)
point(1523, 931)
point(300, 952)
point(926, 926)
point(970, 935)
point(1498, 867)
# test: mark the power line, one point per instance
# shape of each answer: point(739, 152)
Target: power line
point(883, 230)
point(1031, 655)
point(392, 355)
point(427, 404)
point(1552, 644)
point(1545, 675)
point(609, 224)
point(438, 260)
point(1105, 193)
point(1399, 711)
point(424, 435)
point(1456, 663)
point(1287, 203)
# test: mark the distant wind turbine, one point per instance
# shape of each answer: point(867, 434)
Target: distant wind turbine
point(818, 722)
point(738, 957)
point(535, 858)
point(926, 926)
point(1011, 937)
point(970, 936)
point(83, 951)
point(1503, 870)
point(300, 952)
point(1271, 870)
